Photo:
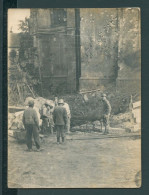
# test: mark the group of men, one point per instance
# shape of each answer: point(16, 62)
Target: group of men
point(47, 116)
point(58, 117)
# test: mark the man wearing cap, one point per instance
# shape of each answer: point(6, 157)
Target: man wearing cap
point(31, 124)
point(107, 111)
point(60, 120)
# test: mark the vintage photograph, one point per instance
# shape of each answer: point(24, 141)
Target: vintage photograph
point(74, 98)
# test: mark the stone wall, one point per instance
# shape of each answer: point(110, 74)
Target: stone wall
point(55, 42)
point(129, 51)
point(109, 48)
point(99, 46)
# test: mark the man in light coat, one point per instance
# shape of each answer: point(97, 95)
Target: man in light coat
point(66, 106)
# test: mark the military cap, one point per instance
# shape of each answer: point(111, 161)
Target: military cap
point(31, 102)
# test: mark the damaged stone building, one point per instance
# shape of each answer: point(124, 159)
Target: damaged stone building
point(84, 49)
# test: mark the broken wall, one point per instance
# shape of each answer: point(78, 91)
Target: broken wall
point(99, 47)
point(110, 49)
point(129, 52)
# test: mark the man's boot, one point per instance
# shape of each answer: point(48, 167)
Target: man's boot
point(106, 130)
point(58, 140)
point(63, 139)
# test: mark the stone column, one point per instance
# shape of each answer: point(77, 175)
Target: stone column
point(71, 53)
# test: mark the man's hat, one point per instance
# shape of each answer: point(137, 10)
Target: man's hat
point(103, 95)
point(31, 102)
point(48, 104)
point(61, 101)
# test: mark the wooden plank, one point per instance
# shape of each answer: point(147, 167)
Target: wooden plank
point(93, 90)
point(31, 91)
point(102, 136)
point(13, 109)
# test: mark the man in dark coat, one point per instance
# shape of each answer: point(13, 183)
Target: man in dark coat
point(106, 114)
point(31, 124)
point(60, 120)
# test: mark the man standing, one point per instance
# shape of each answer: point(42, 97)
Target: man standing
point(106, 114)
point(47, 120)
point(31, 124)
point(60, 120)
point(66, 106)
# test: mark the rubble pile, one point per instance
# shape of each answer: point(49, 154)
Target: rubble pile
point(15, 119)
point(125, 121)
point(90, 126)
point(38, 102)
point(86, 112)
point(120, 118)
point(83, 107)
point(11, 117)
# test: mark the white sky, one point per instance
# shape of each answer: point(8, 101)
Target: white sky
point(14, 15)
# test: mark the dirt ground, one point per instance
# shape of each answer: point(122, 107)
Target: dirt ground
point(90, 163)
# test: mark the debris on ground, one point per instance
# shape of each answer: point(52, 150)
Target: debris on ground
point(126, 121)
point(15, 119)
point(11, 117)
point(120, 118)
point(19, 135)
point(88, 127)
point(123, 122)
point(86, 112)
point(38, 102)
point(136, 111)
point(118, 130)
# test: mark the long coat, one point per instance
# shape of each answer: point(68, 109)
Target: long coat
point(60, 115)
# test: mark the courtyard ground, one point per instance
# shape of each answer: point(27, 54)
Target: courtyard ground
point(84, 161)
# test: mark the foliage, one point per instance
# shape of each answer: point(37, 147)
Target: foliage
point(23, 76)
point(24, 25)
point(27, 54)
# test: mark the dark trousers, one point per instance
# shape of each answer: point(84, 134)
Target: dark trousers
point(47, 126)
point(60, 132)
point(32, 130)
point(106, 120)
point(44, 125)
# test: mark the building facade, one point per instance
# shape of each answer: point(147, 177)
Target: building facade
point(84, 49)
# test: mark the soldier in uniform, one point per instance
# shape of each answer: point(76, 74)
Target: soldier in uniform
point(60, 120)
point(106, 114)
